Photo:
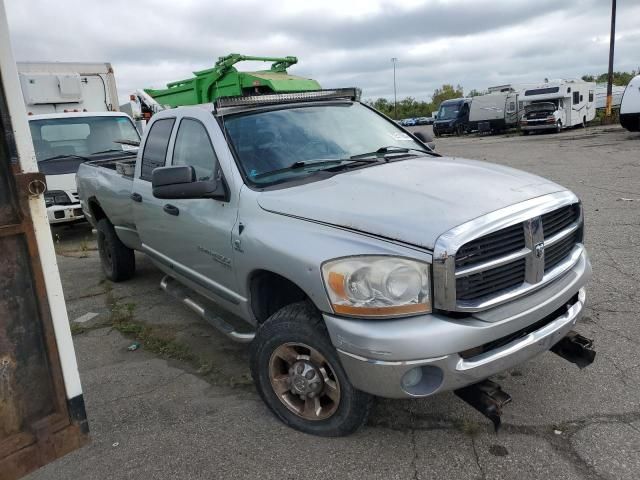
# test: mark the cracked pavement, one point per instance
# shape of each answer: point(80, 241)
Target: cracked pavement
point(155, 418)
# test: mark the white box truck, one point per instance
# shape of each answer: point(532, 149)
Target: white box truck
point(72, 112)
point(56, 87)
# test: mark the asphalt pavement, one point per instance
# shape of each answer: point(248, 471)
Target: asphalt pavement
point(183, 406)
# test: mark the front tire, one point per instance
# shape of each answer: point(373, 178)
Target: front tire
point(558, 126)
point(118, 261)
point(299, 376)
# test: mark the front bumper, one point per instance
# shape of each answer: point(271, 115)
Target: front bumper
point(538, 126)
point(376, 354)
point(444, 128)
point(65, 213)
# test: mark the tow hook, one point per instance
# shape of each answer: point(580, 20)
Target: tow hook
point(486, 397)
point(576, 349)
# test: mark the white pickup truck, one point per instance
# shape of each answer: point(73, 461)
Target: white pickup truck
point(62, 141)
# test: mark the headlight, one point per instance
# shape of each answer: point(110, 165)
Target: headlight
point(56, 197)
point(378, 286)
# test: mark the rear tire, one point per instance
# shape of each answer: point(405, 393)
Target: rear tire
point(118, 261)
point(291, 346)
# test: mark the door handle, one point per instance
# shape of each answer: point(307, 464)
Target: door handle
point(171, 209)
point(136, 197)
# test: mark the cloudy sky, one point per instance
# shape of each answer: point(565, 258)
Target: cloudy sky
point(339, 43)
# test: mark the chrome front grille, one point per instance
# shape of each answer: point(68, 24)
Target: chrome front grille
point(512, 255)
point(486, 282)
point(494, 245)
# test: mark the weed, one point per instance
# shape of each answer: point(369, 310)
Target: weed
point(77, 329)
point(468, 427)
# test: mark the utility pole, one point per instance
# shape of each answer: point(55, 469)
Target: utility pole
point(395, 96)
point(612, 41)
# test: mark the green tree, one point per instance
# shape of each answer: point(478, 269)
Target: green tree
point(476, 93)
point(619, 78)
point(446, 92)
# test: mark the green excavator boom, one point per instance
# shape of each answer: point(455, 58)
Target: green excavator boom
point(223, 80)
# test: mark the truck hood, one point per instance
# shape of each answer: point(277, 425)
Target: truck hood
point(412, 201)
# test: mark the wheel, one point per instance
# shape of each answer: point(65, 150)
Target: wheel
point(299, 376)
point(584, 122)
point(436, 133)
point(460, 130)
point(118, 261)
point(525, 132)
point(558, 126)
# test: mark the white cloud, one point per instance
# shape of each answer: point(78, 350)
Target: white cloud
point(340, 43)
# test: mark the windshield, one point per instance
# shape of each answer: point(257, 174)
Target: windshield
point(74, 137)
point(540, 106)
point(448, 112)
point(272, 141)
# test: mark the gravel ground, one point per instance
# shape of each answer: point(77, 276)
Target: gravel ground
point(187, 409)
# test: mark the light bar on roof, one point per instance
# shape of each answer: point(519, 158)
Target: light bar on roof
point(275, 98)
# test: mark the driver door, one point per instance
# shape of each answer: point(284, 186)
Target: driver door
point(197, 233)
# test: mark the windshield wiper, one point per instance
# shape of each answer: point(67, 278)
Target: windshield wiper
point(109, 151)
point(382, 151)
point(308, 163)
point(62, 157)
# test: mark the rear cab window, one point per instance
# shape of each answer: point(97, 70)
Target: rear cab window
point(155, 147)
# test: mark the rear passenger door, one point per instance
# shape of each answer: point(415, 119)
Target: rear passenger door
point(151, 221)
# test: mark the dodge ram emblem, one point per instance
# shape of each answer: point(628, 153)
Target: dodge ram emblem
point(539, 250)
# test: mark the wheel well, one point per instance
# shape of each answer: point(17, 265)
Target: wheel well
point(96, 210)
point(270, 292)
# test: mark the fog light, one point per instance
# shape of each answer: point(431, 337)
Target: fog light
point(412, 378)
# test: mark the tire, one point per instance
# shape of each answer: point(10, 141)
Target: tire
point(298, 333)
point(460, 130)
point(558, 126)
point(584, 122)
point(118, 261)
point(436, 133)
point(525, 132)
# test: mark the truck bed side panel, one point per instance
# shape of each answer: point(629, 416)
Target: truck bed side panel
point(112, 192)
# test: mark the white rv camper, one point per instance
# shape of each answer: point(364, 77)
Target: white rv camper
point(630, 106)
point(494, 112)
point(558, 104)
point(57, 87)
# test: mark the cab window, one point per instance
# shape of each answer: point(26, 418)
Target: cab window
point(155, 147)
point(193, 148)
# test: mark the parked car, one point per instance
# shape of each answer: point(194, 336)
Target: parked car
point(453, 117)
point(363, 262)
point(408, 122)
point(424, 121)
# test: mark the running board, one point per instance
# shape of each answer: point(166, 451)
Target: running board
point(486, 397)
point(575, 349)
point(182, 293)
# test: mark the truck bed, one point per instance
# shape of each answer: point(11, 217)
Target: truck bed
point(108, 182)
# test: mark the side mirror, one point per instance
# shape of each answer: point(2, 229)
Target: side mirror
point(180, 183)
point(426, 139)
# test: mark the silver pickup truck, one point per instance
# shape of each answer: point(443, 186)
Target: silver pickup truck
point(362, 262)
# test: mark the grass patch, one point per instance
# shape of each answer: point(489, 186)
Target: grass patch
point(77, 329)
point(468, 427)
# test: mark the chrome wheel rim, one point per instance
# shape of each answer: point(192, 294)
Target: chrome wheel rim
point(304, 381)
